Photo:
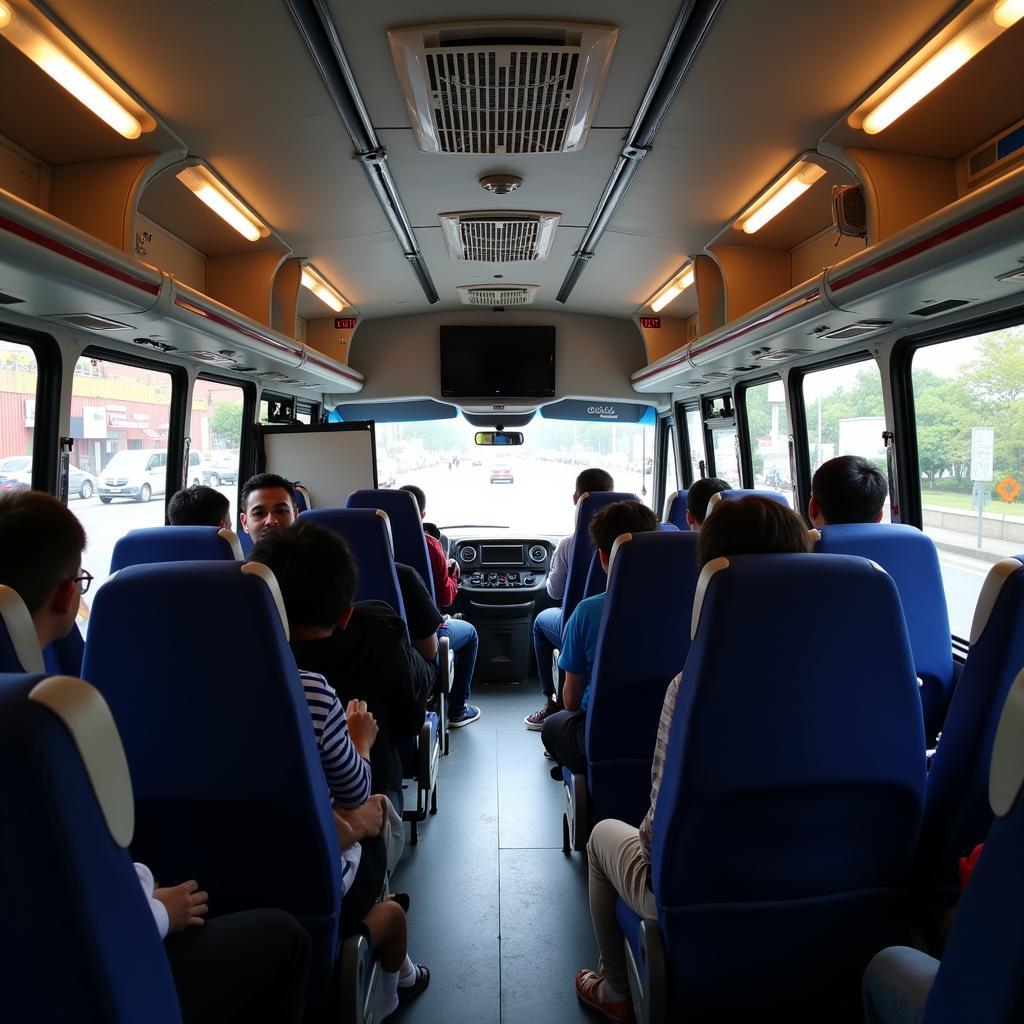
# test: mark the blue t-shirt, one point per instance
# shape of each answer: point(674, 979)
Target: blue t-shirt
point(579, 641)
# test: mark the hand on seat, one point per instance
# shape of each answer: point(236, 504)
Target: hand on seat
point(362, 726)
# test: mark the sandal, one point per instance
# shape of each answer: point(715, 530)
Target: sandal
point(588, 984)
point(401, 898)
point(410, 992)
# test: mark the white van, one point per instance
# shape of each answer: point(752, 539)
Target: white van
point(139, 473)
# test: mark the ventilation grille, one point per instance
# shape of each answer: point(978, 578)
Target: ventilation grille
point(1012, 275)
point(857, 330)
point(934, 308)
point(997, 156)
point(508, 295)
point(502, 87)
point(94, 323)
point(8, 300)
point(499, 238)
point(780, 353)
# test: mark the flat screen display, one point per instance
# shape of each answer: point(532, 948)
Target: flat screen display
point(497, 361)
point(501, 554)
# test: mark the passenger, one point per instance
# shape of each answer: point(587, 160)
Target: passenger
point(462, 636)
point(563, 732)
point(199, 506)
point(547, 626)
point(698, 497)
point(619, 855)
point(248, 965)
point(847, 489)
point(267, 502)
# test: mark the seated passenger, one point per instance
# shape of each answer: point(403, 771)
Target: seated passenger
point(847, 489)
point(199, 506)
point(547, 626)
point(698, 496)
point(619, 855)
point(250, 965)
point(462, 636)
point(563, 732)
point(267, 501)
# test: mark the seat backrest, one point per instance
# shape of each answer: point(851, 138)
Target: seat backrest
point(597, 579)
point(747, 492)
point(582, 550)
point(410, 545)
point(19, 642)
point(981, 976)
point(675, 510)
point(228, 783)
point(64, 657)
point(642, 643)
point(175, 544)
point(957, 814)
point(81, 942)
point(303, 501)
point(793, 787)
point(910, 558)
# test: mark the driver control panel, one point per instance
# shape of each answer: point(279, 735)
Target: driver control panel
point(504, 578)
point(503, 565)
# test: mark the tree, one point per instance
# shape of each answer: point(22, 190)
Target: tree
point(226, 424)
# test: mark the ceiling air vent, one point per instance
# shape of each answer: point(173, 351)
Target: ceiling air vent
point(486, 237)
point(934, 308)
point(780, 353)
point(507, 295)
point(857, 330)
point(1012, 275)
point(502, 86)
point(695, 382)
point(997, 156)
point(716, 375)
point(92, 322)
point(8, 300)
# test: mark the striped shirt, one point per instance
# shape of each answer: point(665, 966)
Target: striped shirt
point(668, 710)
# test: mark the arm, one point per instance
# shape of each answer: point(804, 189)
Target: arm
point(427, 646)
point(668, 710)
point(445, 585)
point(572, 690)
point(559, 571)
point(354, 824)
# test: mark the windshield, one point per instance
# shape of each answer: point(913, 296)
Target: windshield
point(526, 489)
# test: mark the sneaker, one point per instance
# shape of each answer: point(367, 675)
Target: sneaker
point(535, 722)
point(588, 991)
point(457, 719)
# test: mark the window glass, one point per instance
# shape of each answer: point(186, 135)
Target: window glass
point(768, 426)
point(120, 418)
point(671, 478)
point(18, 381)
point(726, 455)
point(216, 432)
point(969, 408)
point(695, 436)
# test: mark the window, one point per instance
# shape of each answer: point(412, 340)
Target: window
point(19, 378)
point(218, 411)
point(671, 477)
point(969, 412)
point(695, 438)
point(768, 436)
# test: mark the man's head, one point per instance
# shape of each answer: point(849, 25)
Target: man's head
point(698, 496)
point(591, 480)
point(417, 493)
point(751, 526)
point(199, 506)
point(315, 571)
point(41, 546)
point(616, 519)
point(267, 502)
point(848, 489)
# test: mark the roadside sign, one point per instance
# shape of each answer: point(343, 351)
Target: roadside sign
point(982, 445)
point(1008, 489)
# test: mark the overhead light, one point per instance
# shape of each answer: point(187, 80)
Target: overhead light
point(679, 284)
point(903, 90)
point(225, 204)
point(316, 283)
point(793, 184)
point(63, 62)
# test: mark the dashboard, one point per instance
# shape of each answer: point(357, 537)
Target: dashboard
point(504, 565)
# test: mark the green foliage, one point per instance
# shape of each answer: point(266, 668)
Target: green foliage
point(226, 424)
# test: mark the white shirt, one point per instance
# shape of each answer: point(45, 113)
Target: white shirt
point(558, 574)
point(159, 911)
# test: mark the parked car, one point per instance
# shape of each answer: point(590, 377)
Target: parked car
point(501, 475)
point(136, 473)
point(16, 475)
point(220, 468)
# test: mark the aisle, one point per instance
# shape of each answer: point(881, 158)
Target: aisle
point(499, 913)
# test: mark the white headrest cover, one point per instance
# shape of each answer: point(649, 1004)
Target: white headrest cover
point(1007, 772)
point(703, 581)
point(712, 502)
point(997, 576)
point(579, 505)
point(623, 538)
point(387, 528)
point(231, 539)
point(265, 574)
point(21, 630)
point(304, 491)
point(88, 720)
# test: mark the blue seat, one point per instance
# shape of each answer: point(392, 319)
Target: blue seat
point(957, 815)
point(910, 558)
point(64, 657)
point(642, 644)
point(675, 510)
point(597, 579)
point(747, 492)
point(792, 794)
point(81, 943)
point(175, 544)
point(410, 544)
point(19, 642)
point(303, 500)
point(228, 782)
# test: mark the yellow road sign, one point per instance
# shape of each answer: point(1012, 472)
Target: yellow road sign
point(1008, 489)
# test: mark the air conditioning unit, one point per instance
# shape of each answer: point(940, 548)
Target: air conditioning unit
point(857, 330)
point(505, 295)
point(849, 212)
point(488, 237)
point(502, 87)
point(997, 156)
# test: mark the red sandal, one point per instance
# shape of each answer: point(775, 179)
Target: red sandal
point(588, 985)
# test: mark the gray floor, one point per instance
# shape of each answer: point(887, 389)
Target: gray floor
point(499, 914)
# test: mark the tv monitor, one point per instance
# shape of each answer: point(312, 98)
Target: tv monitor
point(497, 361)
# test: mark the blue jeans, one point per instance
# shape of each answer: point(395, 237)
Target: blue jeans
point(464, 642)
point(547, 635)
point(896, 985)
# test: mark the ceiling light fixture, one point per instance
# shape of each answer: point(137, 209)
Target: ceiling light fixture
point(55, 59)
point(915, 79)
point(786, 190)
point(678, 284)
point(211, 191)
point(317, 284)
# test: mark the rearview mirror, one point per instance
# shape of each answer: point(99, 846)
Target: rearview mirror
point(498, 438)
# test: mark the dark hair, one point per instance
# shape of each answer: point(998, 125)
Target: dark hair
point(432, 530)
point(41, 545)
point(618, 518)
point(197, 506)
point(314, 569)
point(699, 494)
point(417, 493)
point(849, 489)
point(751, 526)
point(591, 480)
point(260, 482)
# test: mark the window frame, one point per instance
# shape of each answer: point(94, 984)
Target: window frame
point(743, 422)
point(664, 430)
point(727, 423)
point(247, 442)
point(690, 405)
